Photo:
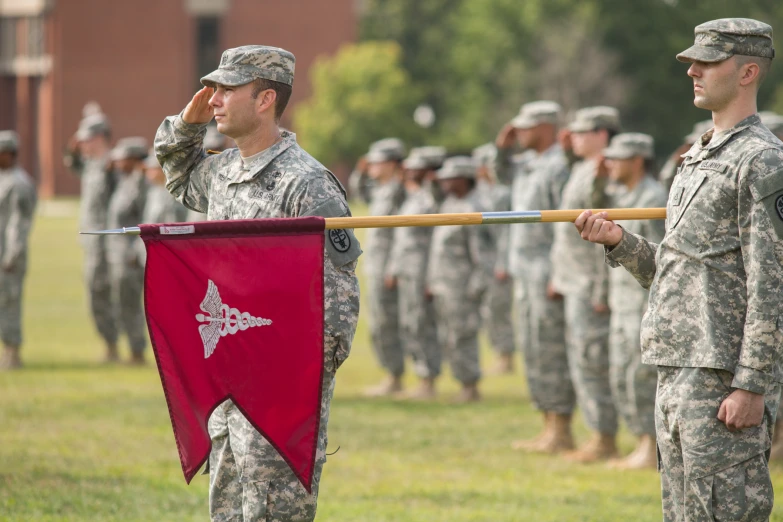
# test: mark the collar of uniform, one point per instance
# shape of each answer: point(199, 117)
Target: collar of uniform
point(267, 156)
point(699, 152)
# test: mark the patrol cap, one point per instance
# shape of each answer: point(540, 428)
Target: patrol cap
point(698, 129)
point(152, 160)
point(457, 167)
point(596, 118)
point(242, 65)
point(629, 145)
point(130, 148)
point(93, 125)
point(535, 113)
point(434, 155)
point(415, 162)
point(91, 108)
point(772, 121)
point(9, 141)
point(485, 155)
point(721, 39)
point(387, 149)
point(213, 140)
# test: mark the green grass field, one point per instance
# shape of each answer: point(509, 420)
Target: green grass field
point(80, 441)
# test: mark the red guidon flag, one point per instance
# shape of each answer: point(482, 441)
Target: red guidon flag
point(235, 310)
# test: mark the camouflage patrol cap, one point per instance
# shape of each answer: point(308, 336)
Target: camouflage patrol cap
point(535, 113)
point(457, 167)
point(772, 121)
point(9, 141)
point(242, 65)
point(93, 125)
point(433, 155)
point(719, 40)
point(414, 162)
point(698, 129)
point(130, 148)
point(485, 155)
point(596, 118)
point(387, 149)
point(630, 145)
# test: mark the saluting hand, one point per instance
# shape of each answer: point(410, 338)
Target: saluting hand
point(505, 138)
point(198, 111)
point(597, 229)
point(742, 409)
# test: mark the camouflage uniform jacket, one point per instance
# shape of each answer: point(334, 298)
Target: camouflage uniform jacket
point(17, 205)
point(126, 209)
point(496, 198)
point(716, 291)
point(459, 255)
point(537, 184)
point(385, 201)
point(411, 245)
point(161, 207)
point(578, 266)
point(97, 186)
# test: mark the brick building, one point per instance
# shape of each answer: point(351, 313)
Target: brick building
point(139, 60)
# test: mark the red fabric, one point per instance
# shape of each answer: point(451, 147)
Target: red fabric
point(270, 269)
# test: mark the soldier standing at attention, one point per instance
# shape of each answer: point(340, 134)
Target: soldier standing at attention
point(629, 159)
point(498, 299)
point(378, 180)
point(268, 176)
point(17, 205)
point(126, 267)
point(537, 178)
point(88, 158)
point(580, 275)
point(457, 275)
point(406, 271)
point(713, 324)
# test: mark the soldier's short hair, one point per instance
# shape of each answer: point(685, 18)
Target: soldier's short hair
point(282, 92)
point(764, 65)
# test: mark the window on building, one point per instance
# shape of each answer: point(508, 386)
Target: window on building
point(207, 45)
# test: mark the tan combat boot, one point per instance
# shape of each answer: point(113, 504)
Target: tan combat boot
point(504, 365)
point(532, 444)
point(469, 393)
point(388, 387)
point(10, 359)
point(425, 391)
point(601, 447)
point(776, 451)
point(560, 438)
point(137, 359)
point(112, 355)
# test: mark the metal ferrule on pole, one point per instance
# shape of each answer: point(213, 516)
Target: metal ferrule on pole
point(517, 216)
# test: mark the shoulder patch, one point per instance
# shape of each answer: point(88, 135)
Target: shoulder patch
point(714, 165)
point(340, 240)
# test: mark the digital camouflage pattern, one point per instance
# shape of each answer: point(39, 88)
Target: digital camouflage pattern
point(126, 270)
point(708, 472)
point(242, 65)
point(457, 275)
point(408, 262)
point(633, 382)
point(669, 169)
point(595, 118)
point(247, 476)
point(719, 40)
point(17, 207)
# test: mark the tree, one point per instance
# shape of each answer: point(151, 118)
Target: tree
point(360, 95)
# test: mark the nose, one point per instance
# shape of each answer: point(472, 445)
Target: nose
point(694, 71)
point(216, 99)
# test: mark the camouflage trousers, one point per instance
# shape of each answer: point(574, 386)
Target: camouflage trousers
point(541, 335)
point(127, 287)
point(458, 327)
point(587, 336)
point(708, 472)
point(418, 327)
point(496, 315)
point(11, 307)
point(97, 279)
point(385, 326)
point(633, 383)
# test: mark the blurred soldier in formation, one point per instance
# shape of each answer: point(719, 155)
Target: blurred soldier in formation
point(629, 160)
point(377, 179)
point(88, 158)
point(17, 205)
point(537, 178)
point(498, 300)
point(774, 122)
point(669, 170)
point(457, 275)
point(407, 271)
point(126, 209)
point(580, 274)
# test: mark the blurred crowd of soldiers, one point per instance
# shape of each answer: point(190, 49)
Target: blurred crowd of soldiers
point(536, 289)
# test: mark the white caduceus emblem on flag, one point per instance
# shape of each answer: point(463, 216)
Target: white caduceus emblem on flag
point(222, 320)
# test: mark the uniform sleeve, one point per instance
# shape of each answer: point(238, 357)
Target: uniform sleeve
point(360, 186)
point(22, 202)
point(179, 147)
point(341, 246)
point(761, 239)
point(636, 255)
point(74, 162)
point(479, 244)
point(504, 167)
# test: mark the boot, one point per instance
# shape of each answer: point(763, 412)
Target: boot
point(504, 365)
point(425, 391)
point(645, 456)
point(388, 387)
point(532, 444)
point(469, 393)
point(10, 359)
point(560, 438)
point(112, 356)
point(601, 447)
point(776, 451)
point(137, 359)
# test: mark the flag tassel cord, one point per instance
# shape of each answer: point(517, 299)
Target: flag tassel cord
point(473, 218)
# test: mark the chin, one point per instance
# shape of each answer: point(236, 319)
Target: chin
point(702, 103)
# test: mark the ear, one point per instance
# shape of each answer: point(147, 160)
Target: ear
point(266, 101)
point(748, 74)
